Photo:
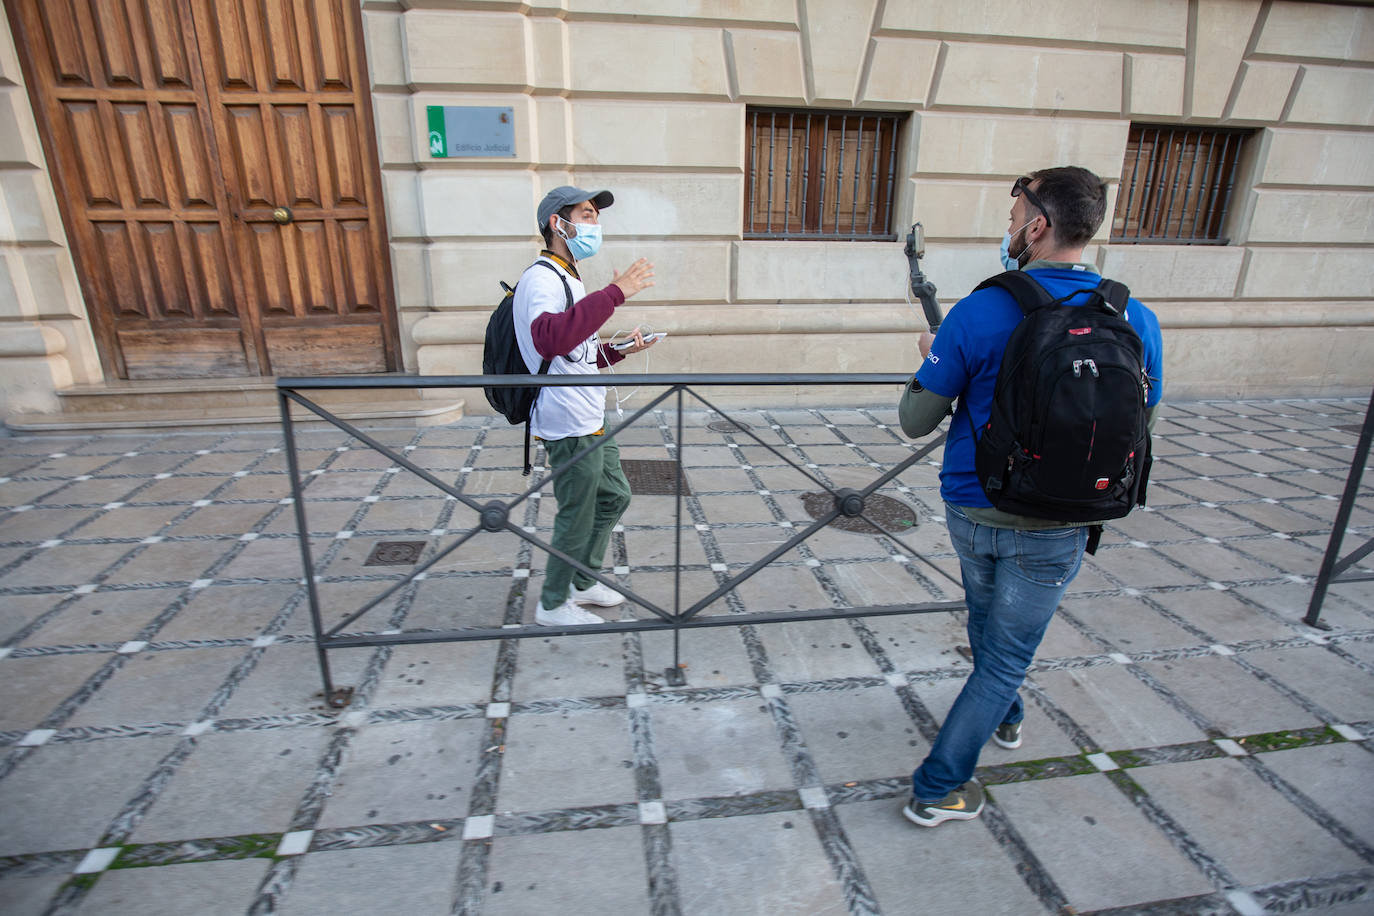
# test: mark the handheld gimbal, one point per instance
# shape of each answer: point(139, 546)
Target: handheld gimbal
point(922, 288)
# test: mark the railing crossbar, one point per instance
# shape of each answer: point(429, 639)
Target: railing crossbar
point(701, 621)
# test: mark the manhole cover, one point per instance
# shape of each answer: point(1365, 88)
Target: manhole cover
point(395, 553)
point(891, 515)
point(726, 426)
point(653, 477)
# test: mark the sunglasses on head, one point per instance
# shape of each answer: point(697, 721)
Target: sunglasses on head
point(1022, 186)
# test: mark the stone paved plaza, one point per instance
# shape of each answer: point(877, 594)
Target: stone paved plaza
point(1191, 747)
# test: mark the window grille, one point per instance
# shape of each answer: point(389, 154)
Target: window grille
point(1176, 185)
point(820, 175)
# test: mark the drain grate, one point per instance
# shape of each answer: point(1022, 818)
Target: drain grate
point(395, 553)
point(726, 426)
point(653, 477)
point(891, 515)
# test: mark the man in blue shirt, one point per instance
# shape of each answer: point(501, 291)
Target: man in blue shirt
point(1015, 568)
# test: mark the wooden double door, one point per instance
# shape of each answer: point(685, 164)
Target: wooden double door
point(216, 168)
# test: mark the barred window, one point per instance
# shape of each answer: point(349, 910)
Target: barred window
point(1176, 185)
point(820, 175)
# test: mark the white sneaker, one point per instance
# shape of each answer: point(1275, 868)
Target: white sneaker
point(566, 614)
point(598, 594)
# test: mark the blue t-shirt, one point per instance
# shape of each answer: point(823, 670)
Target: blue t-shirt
point(967, 353)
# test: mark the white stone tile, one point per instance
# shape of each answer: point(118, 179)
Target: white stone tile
point(1103, 762)
point(97, 860)
point(1231, 748)
point(652, 812)
point(479, 827)
point(295, 843)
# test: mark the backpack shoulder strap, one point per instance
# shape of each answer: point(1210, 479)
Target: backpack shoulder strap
point(567, 290)
point(1114, 296)
point(567, 293)
point(1024, 288)
point(543, 368)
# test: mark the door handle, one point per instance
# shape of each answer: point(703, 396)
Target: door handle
point(282, 215)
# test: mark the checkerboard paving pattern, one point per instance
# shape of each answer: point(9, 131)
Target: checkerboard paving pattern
point(164, 747)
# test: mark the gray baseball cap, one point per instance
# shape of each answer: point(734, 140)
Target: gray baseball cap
point(561, 197)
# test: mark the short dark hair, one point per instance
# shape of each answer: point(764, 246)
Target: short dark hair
point(1076, 200)
point(544, 230)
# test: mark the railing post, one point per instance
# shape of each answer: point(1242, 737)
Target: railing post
point(1333, 546)
point(674, 675)
point(303, 535)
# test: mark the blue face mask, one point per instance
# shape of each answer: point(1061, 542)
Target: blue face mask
point(586, 243)
point(1008, 262)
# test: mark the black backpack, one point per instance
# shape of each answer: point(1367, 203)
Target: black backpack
point(1067, 437)
point(501, 356)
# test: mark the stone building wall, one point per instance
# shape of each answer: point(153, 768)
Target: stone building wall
point(45, 336)
point(648, 98)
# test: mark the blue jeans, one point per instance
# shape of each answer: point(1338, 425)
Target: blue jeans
point(1013, 580)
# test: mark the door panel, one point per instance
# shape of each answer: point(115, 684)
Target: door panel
point(190, 157)
point(315, 351)
point(218, 351)
point(117, 276)
point(341, 125)
point(142, 161)
point(354, 249)
point(251, 157)
point(62, 39)
point(115, 40)
point(214, 281)
point(92, 157)
point(296, 142)
point(170, 65)
point(175, 128)
point(226, 40)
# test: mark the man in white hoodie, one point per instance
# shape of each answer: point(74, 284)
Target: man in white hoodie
point(557, 320)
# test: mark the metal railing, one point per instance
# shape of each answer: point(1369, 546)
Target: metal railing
point(494, 515)
point(1335, 568)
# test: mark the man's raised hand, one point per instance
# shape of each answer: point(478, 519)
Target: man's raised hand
point(636, 277)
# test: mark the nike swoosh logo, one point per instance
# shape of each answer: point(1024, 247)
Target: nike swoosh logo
point(957, 807)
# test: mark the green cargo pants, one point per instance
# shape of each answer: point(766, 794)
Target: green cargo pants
point(592, 496)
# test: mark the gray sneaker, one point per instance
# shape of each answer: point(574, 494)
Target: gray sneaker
point(963, 804)
point(1008, 735)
